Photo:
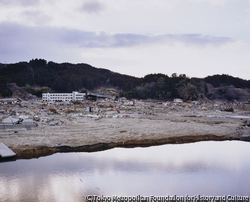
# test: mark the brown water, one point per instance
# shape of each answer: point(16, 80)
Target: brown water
point(203, 168)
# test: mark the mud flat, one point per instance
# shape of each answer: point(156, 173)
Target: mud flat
point(144, 124)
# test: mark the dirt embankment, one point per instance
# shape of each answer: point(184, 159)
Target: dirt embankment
point(88, 135)
point(38, 151)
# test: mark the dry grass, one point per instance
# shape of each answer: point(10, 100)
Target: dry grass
point(53, 110)
point(68, 111)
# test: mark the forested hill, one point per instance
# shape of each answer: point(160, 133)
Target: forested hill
point(66, 77)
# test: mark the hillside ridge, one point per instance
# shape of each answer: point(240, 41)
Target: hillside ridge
point(38, 76)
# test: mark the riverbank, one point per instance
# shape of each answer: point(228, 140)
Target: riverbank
point(130, 127)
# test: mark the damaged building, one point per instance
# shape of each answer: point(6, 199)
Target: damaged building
point(74, 96)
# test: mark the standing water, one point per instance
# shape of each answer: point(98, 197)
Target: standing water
point(203, 168)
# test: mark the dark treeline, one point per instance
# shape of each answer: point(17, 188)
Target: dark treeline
point(63, 77)
point(163, 87)
point(66, 77)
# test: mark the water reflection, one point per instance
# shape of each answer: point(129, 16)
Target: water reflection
point(205, 168)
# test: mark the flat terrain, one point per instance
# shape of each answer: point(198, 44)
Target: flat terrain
point(64, 127)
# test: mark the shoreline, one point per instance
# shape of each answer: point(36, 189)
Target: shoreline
point(41, 151)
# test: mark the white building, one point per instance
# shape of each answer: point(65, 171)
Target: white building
point(74, 96)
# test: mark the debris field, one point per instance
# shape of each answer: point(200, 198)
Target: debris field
point(36, 128)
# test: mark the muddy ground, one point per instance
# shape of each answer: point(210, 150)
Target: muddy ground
point(65, 127)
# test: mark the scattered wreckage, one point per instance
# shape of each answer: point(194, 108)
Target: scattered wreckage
point(14, 115)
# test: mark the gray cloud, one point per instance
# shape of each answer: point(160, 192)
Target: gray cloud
point(197, 39)
point(26, 41)
point(20, 2)
point(102, 39)
point(106, 40)
point(92, 7)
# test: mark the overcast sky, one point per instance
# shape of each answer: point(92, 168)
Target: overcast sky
point(134, 37)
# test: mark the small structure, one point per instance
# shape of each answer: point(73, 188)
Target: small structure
point(16, 123)
point(92, 109)
point(95, 97)
point(74, 96)
point(10, 101)
point(195, 103)
point(177, 100)
point(122, 99)
point(6, 152)
point(11, 120)
point(129, 103)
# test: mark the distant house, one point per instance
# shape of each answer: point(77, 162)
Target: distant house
point(74, 96)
